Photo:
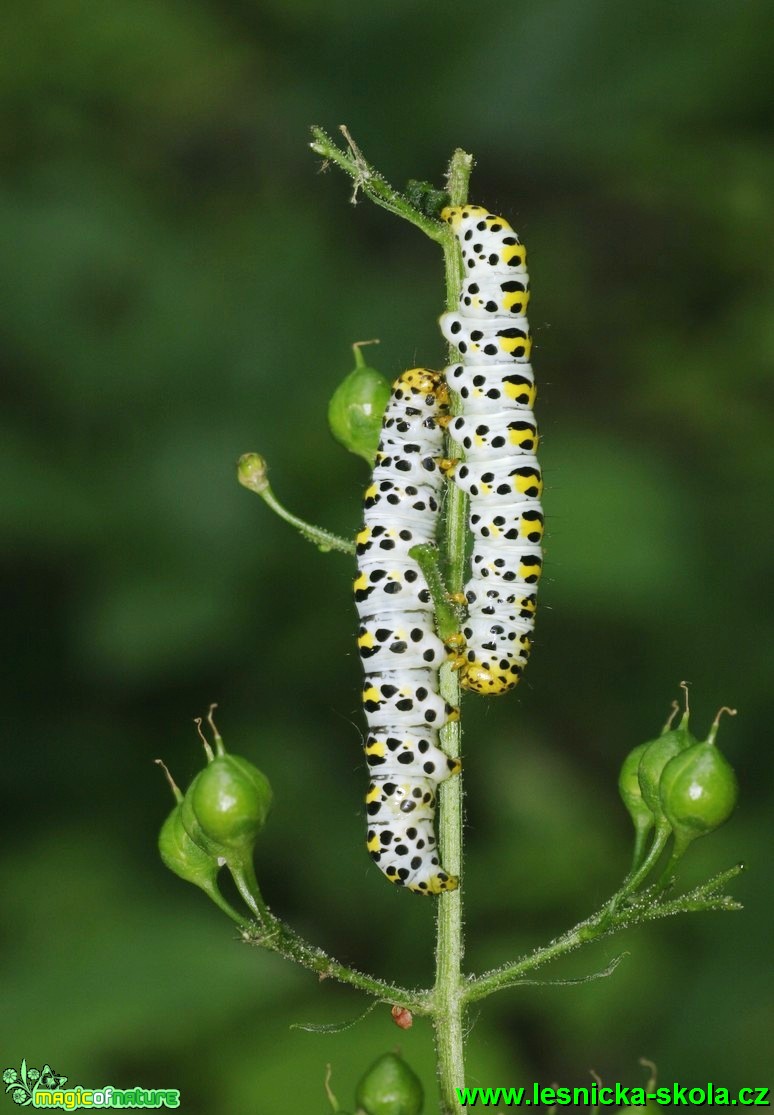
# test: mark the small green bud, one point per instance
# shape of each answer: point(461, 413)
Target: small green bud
point(357, 407)
point(251, 472)
point(390, 1087)
point(426, 198)
point(655, 756)
point(698, 791)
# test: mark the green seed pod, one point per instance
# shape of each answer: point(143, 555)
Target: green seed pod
point(224, 810)
point(226, 806)
point(357, 407)
point(180, 854)
point(631, 795)
point(390, 1087)
point(655, 757)
point(698, 791)
point(186, 858)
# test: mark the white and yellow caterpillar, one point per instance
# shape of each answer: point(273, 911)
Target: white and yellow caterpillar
point(400, 650)
point(498, 433)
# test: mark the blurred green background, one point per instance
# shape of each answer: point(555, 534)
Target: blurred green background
point(180, 284)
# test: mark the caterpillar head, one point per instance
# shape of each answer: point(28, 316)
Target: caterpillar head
point(422, 381)
point(457, 215)
point(489, 680)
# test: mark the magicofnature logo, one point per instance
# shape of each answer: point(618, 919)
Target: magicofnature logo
point(25, 1082)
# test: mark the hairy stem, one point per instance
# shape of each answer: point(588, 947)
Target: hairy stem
point(278, 937)
point(370, 181)
point(447, 996)
point(251, 473)
point(448, 1002)
point(637, 877)
point(447, 618)
point(623, 911)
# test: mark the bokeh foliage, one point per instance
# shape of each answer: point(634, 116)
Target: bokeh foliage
point(181, 285)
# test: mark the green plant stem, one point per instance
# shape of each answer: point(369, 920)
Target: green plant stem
point(274, 935)
point(510, 975)
point(447, 997)
point(243, 874)
point(447, 617)
point(371, 182)
point(622, 912)
point(215, 896)
point(251, 473)
point(640, 847)
point(448, 1000)
point(635, 878)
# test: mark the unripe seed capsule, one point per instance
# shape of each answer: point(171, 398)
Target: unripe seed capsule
point(390, 1087)
point(698, 791)
point(187, 859)
point(630, 791)
point(178, 851)
point(224, 810)
point(357, 407)
point(631, 795)
point(655, 757)
point(226, 805)
point(180, 854)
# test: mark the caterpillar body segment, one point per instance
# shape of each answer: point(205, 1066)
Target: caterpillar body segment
point(490, 247)
point(487, 599)
point(417, 502)
point(482, 435)
point(392, 698)
point(515, 523)
point(488, 296)
point(505, 480)
point(401, 837)
point(500, 386)
point(393, 585)
point(397, 539)
point(484, 342)
point(420, 469)
point(498, 433)
point(523, 565)
point(399, 648)
point(409, 750)
point(387, 637)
